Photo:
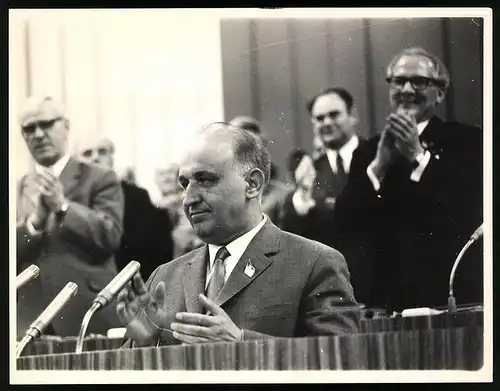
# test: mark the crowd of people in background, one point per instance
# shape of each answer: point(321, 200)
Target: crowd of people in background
point(398, 206)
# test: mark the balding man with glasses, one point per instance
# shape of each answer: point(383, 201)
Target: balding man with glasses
point(414, 195)
point(69, 223)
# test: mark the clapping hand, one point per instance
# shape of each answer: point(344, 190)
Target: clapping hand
point(51, 189)
point(195, 328)
point(403, 127)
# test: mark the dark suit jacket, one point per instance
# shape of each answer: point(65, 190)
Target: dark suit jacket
point(147, 232)
point(414, 230)
point(299, 288)
point(79, 249)
point(316, 223)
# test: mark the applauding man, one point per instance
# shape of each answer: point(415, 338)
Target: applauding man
point(69, 223)
point(414, 196)
point(251, 280)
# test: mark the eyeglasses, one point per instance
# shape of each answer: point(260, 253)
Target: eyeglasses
point(418, 83)
point(322, 117)
point(44, 125)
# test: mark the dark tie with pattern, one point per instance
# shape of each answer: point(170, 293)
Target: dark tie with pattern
point(218, 272)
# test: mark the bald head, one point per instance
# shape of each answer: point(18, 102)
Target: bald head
point(44, 127)
point(223, 174)
point(96, 150)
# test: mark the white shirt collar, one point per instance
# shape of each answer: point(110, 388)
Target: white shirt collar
point(236, 248)
point(58, 167)
point(421, 126)
point(345, 152)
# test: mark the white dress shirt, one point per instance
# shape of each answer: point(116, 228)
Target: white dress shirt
point(236, 248)
point(345, 153)
point(303, 205)
point(57, 168)
point(416, 174)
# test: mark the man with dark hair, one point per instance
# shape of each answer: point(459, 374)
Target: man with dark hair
point(414, 195)
point(251, 280)
point(309, 209)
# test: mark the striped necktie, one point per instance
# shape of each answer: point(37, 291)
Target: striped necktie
point(218, 272)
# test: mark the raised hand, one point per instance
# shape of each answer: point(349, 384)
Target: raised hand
point(143, 315)
point(403, 128)
point(51, 189)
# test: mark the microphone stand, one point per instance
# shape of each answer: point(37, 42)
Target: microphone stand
point(83, 328)
point(37, 327)
point(22, 344)
point(104, 297)
point(452, 304)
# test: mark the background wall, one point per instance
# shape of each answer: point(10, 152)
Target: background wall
point(271, 67)
point(146, 79)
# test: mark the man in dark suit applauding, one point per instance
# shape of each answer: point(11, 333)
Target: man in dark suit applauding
point(414, 195)
point(309, 209)
point(251, 280)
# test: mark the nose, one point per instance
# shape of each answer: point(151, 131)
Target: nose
point(407, 87)
point(328, 120)
point(39, 133)
point(191, 196)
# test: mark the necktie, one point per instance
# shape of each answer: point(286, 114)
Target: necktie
point(217, 280)
point(340, 165)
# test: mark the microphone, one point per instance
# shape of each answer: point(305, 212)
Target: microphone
point(117, 284)
point(37, 327)
point(452, 305)
point(105, 296)
point(477, 233)
point(28, 274)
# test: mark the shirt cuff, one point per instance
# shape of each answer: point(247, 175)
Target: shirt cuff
point(31, 229)
point(300, 206)
point(373, 178)
point(419, 170)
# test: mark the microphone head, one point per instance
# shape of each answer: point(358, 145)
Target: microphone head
point(28, 274)
point(72, 288)
point(478, 233)
point(117, 283)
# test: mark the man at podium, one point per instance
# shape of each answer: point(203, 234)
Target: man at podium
point(251, 280)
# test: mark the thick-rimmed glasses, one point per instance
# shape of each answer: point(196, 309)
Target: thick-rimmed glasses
point(418, 83)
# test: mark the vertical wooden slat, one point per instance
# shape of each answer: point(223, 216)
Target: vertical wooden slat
point(27, 51)
point(466, 67)
point(275, 101)
point(237, 51)
point(311, 64)
point(292, 38)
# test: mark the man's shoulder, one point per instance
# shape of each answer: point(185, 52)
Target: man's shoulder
point(182, 260)
point(301, 245)
point(93, 171)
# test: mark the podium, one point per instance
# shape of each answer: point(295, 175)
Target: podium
point(444, 341)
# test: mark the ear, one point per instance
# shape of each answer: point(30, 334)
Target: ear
point(353, 121)
point(255, 183)
point(440, 96)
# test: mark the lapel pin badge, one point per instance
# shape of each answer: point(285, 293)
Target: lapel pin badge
point(249, 269)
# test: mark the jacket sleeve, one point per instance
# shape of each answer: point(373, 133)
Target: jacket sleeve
point(328, 305)
point(98, 227)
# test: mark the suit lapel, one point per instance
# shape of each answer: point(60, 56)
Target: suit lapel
point(194, 279)
point(70, 176)
point(264, 243)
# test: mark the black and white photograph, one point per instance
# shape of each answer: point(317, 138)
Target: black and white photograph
point(290, 195)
